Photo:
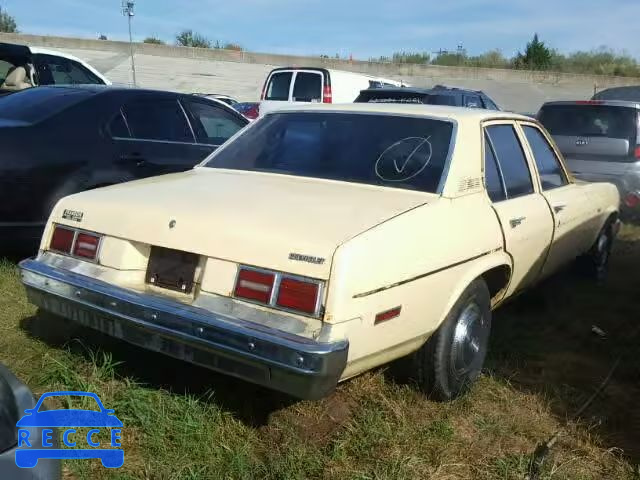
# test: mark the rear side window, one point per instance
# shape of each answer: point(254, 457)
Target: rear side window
point(493, 181)
point(590, 121)
point(308, 87)
point(213, 125)
point(278, 88)
point(158, 119)
point(118, 127)
point(511, 160)
point(551, 173)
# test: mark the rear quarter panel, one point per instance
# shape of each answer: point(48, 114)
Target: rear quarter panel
point(421, 260)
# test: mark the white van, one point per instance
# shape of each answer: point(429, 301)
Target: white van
point(316, 85)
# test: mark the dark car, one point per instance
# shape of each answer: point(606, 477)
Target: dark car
point(57, 141)
point(438, 95)
point(15, 398)
point(628, 94)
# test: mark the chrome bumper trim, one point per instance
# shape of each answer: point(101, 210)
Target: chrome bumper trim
point(292, 364)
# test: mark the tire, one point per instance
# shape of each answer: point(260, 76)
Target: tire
point(449, 363)
point(595, 264)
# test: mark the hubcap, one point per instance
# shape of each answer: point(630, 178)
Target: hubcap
point(469, 339)
point(603, 251)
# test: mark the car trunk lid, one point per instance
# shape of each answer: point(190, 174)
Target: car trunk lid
point(257, 219)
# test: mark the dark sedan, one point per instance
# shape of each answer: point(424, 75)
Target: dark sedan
point(56, 141)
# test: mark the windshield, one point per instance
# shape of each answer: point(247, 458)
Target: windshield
point(590, 121)
point(36, 104)
point(385, 150)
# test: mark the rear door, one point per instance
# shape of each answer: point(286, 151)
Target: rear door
point(570, 206)
point(523, 212)
point(307, 86)
point(598, 141)
point(153, 136)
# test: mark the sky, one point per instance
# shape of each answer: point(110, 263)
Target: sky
point(361, 28)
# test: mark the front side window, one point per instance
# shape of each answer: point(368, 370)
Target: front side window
point(118, 127)
point(308, 87)
point(384, 150)
point(278, 88)
point(549, 168)
point(213, 125)
point(511, 160)
point(158, 119)
point(54, 70)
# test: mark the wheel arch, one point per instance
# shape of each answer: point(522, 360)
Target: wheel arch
point(495, 269)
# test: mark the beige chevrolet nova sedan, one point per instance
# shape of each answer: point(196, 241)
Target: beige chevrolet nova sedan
point(323, 241)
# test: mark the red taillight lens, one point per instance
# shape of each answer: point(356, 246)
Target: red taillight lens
point(253, 112)
point(636, 152)
point(254, 285)
point(298, 295)
point(62, 239)
point(632, 200)
point(86, 246)
point(327, 96)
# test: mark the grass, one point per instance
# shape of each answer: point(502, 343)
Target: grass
point(184, 422)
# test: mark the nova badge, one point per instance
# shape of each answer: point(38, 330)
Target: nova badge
point(72, 215)
point(306, 258)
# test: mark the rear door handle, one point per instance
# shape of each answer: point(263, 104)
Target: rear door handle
point(514, 222)
point(558, 208)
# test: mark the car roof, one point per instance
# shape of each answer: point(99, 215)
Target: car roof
point(610, 103)
point(429, 111)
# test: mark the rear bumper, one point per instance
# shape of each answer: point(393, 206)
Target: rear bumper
point(289, 363)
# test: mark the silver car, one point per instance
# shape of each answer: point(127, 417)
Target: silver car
point(600, 140)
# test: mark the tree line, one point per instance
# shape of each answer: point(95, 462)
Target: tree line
point(536, 56)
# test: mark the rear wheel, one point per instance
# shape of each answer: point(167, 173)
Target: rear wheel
point(595, 263)
point(451, 360)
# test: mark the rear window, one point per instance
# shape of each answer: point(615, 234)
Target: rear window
point(308, 87)
point(36, 104)
point(407, 97)
point(278, 88)
point(590, 121)
point(385, 150)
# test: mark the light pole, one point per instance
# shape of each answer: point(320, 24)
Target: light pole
point(127, 11)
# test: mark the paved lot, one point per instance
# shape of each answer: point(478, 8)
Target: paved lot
point(244, 80)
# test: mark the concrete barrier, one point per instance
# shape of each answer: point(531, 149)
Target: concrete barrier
point(242, 73)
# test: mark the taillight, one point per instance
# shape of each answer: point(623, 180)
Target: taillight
point(62, 239)
point(86, 246)
point(298, 295)
point(279, 290)
point(636, 152)
point(327, 96)
point(253, 112)
point(632, 200)
point(255, 285)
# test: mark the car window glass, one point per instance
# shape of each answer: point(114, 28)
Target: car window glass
point(158, 120)
point(451, 100)
point(488, 103)
point(472, 101)
point(590, 121)
point(549, 169)
point(307, 87)
point(118, 127)
point(214, 125)
point(384, 150)
point(492, 179)
point(511, 159)
point(4, 69)
point(62, 71)
point(278, 88)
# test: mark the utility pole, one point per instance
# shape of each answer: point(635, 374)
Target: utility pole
point(127, 11)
